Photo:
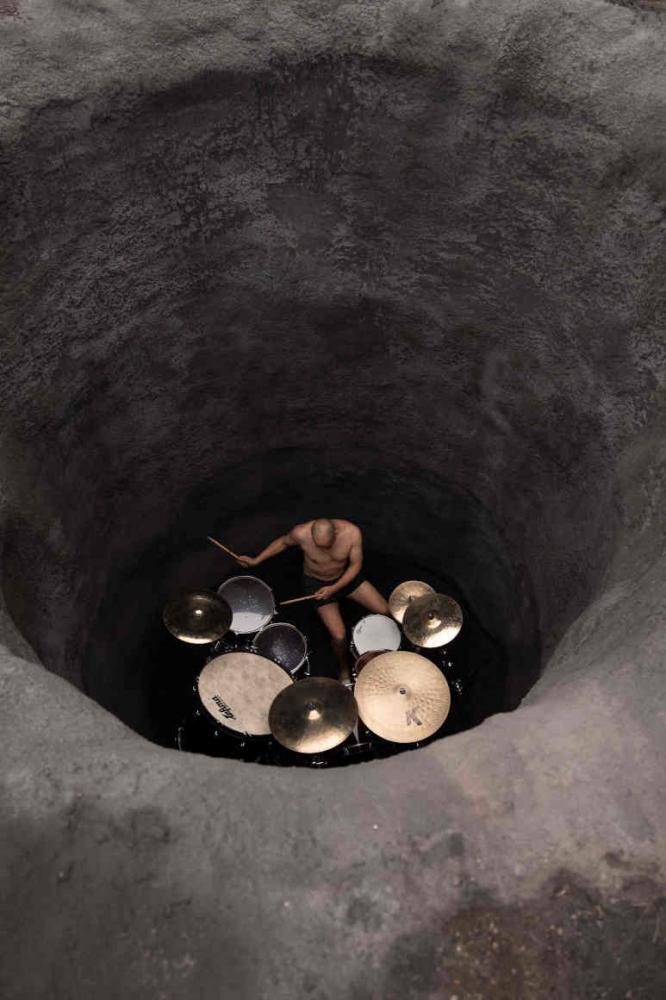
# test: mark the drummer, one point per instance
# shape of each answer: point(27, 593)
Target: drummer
point(332, 568)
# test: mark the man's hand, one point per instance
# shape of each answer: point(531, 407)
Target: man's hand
point(248, 561)
point(324, 593)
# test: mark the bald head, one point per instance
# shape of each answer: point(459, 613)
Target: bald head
point(323, 532)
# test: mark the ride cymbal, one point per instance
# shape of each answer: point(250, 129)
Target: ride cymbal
point(402, 697)
point(198, 616)
point(432, 620)
point(404, 594)
point(313, 715)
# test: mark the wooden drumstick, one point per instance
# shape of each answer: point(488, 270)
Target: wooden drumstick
point(224, 549)
point(295, 600)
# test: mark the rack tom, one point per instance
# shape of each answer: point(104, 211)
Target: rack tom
point(251, 601)
point(282, 643)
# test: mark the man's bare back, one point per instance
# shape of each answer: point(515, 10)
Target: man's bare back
point(332, 568)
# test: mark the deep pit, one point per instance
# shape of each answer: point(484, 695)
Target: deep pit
point(247, 312)
point(401, 264)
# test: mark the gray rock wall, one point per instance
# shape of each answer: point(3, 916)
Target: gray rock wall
point(423, 246)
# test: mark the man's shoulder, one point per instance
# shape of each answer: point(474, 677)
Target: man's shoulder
point(351, 530)
point(301, 531)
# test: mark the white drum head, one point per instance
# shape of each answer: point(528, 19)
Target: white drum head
point(251, 602)
point(238, 689)
point(375, 632)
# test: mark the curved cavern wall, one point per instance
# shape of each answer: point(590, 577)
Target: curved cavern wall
point(410, 258)
point(343, 254)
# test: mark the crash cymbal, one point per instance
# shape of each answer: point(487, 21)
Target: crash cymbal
point(402, 697)
point(432, 620)
point(404, 594)
point(313, 715)
point(197, 616)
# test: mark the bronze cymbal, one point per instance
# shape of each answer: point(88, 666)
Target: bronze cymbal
point(402, 697)
point(432, 620)
point(404, 594)
point(313, 715)
point(197, 616)
point(365, 658)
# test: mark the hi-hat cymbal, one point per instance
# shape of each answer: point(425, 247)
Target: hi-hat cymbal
point(198, 616)
point(404, 594)
point(313, 715)
point(402, 697)
point(432, 620)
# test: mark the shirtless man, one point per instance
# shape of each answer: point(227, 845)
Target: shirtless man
point(332, 568)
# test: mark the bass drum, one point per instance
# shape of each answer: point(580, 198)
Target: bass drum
point(238, 689)
point(284, 644)
point(199, 733)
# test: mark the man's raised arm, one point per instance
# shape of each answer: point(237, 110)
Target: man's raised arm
point(274, 549)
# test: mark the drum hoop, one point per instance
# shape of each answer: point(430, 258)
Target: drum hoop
point(354, 647)
point(248, 576)
point(251, 631)
point(288, 625)
point(374, 614)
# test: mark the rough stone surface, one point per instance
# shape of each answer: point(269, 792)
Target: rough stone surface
point(261, 255)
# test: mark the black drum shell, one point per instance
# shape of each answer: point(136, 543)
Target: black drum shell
point(282, 643)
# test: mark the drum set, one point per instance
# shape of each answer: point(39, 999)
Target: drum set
point(256, 694)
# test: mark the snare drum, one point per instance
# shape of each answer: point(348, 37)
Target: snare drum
point(374, 632)
point(283, 644)
point(251, 601)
